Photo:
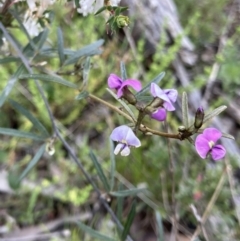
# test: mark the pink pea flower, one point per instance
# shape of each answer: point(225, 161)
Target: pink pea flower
point(206, 143)
point(115, 82)
point(169, 96)
point(126, 138)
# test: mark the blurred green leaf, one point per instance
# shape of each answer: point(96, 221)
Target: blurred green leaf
point(82, 95)
point(50, 78)
point(8, 88)
point(36, 123)
point(13, 176)
point(77, 3)
point(93, 233)
point(125, 106)
point(113, 165)
point(33, 162)
point(185, 112)
point(160, 233)
point(100, 171)
point(120, 200)
point(156, 80)
point(129, 221)
point(9, 59)
point(17, 133)
point(129, 192)
point(123, 71)
point(60, 46)
point(91, 49)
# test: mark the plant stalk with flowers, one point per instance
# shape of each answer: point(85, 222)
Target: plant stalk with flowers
point(161, 102)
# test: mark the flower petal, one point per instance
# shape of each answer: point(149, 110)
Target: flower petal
point(125, 151)
point(202, 146)
point(118, 148)
point(114, 81)
point(119, 133)
point(212, 134)
point(135, 84)
point(218, 152)
point(156, 91)
point(159, 114)
point(131, 139)
point(171, 94)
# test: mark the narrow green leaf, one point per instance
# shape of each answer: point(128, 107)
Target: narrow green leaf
point(129, 192)
point(123, 71)
point(113, 165)
point(129, 221)
point(214, 113)
point(60, 46)
point(8, 88)
point(101, 10)
point(125, 106)
point(160, 233)
point(23, 134)
point(9, 59)
point(100, 171)
point(50, 78)
point(82, 95)
point(93, 233)
point(33, 162)
point(91, 49)
point(156, 80)
point(36, 123)
point(185, 112)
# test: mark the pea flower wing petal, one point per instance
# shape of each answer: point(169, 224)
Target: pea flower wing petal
point(114, 81)
point(160, 114)
point(202, 146)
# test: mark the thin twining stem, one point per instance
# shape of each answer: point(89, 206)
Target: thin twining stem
point(142, 127)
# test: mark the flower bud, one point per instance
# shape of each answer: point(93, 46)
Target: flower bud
point(122, 21)
point(199, 116)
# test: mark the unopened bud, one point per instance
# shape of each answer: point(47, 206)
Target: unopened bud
point(129, 96)
point(122, 21)
point(199, 116)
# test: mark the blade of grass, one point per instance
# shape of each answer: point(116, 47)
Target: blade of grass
point(113, 165)
point(129, 221)
point(129, 192)
point(100, 171)
point(36, 123)
point(23, 134)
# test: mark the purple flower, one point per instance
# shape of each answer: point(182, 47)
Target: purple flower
point(169, 96)
point(126, 138)
point(160, 114)
point(115, 82)
point(205, 144)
